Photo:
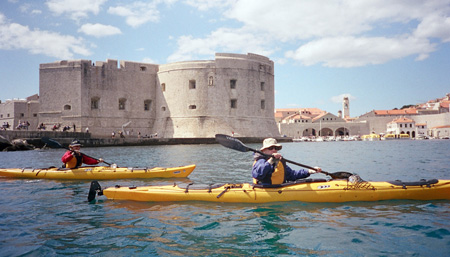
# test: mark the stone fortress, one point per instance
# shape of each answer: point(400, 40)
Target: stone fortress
point(233, 94)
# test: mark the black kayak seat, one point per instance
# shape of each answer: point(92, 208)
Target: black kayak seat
point(422, 182)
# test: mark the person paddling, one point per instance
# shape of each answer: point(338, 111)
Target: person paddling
point(73, 158)
point(270, 169)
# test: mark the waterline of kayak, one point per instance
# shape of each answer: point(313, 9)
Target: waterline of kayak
point(48, 217)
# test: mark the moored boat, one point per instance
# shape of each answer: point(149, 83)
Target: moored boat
point(306, 190)
point(98, 172)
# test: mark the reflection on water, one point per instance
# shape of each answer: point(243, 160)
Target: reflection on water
point(45, 217)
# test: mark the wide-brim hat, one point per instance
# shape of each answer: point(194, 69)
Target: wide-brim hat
point(268, 142)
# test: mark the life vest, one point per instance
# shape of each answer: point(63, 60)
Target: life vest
point(277, 176)
point(75, 162)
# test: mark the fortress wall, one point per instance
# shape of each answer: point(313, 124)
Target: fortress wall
point(133, 83)
point(59, 90)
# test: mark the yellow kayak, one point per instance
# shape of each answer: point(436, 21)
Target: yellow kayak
point(98, 172)
point(308, 190)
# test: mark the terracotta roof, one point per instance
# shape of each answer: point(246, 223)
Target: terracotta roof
point(445, 126)
point(396, 112)
point(445, 104)
point(402, 120)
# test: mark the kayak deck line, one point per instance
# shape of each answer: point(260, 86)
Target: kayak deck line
point(98, 172)
point(309, 190)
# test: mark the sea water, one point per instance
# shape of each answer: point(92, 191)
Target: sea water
point(50, 217)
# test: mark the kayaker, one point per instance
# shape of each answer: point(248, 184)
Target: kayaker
point(272, 169)
point(73, 158)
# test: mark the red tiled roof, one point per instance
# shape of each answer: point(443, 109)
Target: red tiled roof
point(402, 120)
point(396, 112)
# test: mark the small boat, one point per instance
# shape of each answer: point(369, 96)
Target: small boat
point(98, 172)
point(304, 190)
point(370, 137)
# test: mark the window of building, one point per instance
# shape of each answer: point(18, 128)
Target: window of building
point(192, 107)
point(233, 103)
point(192, 84)
point(147, 105)
point(262, 86)
point(94, 103)
point(1, 115)
point(67, 107)
point(22, 115)
point(263, 104)
point(143, 68)
point(34, 114)
point(163, 108)
point(211, 81)
point(233, 84)
point(163, 87)
point(122, 102)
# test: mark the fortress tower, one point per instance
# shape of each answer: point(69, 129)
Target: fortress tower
point(345, 108)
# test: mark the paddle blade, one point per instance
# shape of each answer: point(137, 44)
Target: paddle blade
point(51, 142)
point(93, 190)
point(231, 142)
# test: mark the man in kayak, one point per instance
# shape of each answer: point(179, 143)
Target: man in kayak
point(270, 169)
point(73, 158)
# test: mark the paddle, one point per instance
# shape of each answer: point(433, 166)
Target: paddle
point(55, 144)
point(94, 190)
point(236, 144)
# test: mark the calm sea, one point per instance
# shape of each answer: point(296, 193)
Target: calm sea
point(49, 218)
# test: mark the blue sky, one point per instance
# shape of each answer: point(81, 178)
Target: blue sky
point(383, 54)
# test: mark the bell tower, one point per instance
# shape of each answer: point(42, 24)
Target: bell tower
point(345, 108)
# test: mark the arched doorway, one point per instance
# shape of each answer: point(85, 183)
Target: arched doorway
point(342, 132)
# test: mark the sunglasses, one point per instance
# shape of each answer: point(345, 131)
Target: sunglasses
point(274, 148)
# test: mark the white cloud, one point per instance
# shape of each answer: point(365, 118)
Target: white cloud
point(149, 60)
point(16, 36)
point(204, 5)
point(355, 52)
point(347, 33)
point(339, 98)
point(99, 30)
point(434, 26)
point(137, 13)
point(221, 40)
point(75, 9)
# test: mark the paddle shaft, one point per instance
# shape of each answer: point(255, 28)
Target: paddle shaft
point(236, 144)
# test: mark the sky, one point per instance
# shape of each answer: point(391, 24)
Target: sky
point(382, 54)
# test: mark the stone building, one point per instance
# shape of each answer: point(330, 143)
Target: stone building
point(19, 113)
point(232, 94)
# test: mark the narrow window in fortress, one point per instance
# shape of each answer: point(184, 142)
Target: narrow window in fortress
point(67, 107)
point(143, 68)
point(163, 108)
point(192, 107)
point(263, 104)
point(94, 103)
point(147, 105)
point(262, 86)
point(211, 81)
point(233, 84)
point(163, 87)
point(191, 84)
point(122, 102)
point(233, 103)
